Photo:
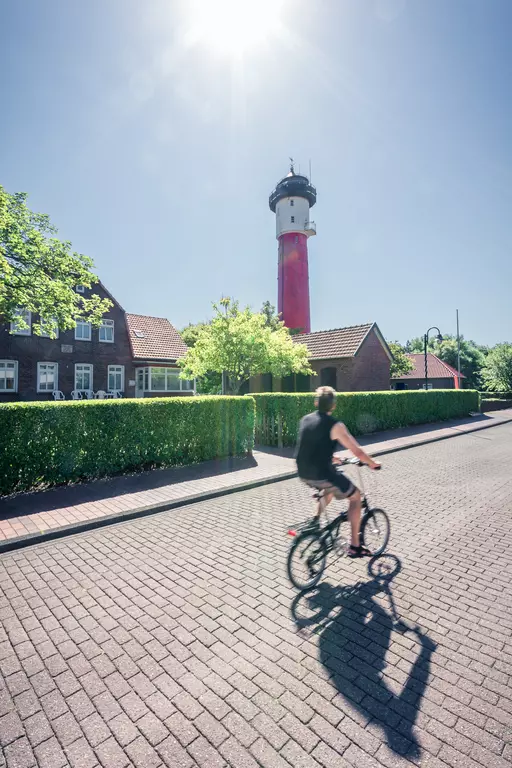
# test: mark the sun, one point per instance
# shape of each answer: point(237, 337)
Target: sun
point(232, 27)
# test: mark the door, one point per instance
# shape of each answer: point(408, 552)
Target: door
point(139, 382)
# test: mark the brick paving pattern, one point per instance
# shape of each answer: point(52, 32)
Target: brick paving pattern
point(176, 640)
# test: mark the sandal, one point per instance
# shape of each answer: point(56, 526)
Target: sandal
point(359, 551)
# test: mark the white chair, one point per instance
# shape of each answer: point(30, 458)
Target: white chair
point(58, 395)
point(76, 394)
point(88, 394)
point(100, 394)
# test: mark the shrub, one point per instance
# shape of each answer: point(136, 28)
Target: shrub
point(278, 415)
point(49, 443)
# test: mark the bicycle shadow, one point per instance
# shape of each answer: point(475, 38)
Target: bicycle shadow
point(355, 634)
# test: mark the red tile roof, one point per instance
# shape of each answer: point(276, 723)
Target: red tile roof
point(338, 342)
point(154, 338)
point(437, 369)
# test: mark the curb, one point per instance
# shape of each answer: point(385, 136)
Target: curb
point(29, 539)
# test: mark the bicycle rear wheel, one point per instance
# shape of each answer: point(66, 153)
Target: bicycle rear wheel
point(375, 530)
point(306, 561)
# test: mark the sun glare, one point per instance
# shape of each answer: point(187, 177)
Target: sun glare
point(232, 27)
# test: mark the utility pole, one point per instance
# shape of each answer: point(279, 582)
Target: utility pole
point(458, 349)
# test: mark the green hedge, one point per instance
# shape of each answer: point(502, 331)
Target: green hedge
point(278, 415)
point(48, 443)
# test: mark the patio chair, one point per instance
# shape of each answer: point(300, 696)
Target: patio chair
point(58, 395)
point(100, 394)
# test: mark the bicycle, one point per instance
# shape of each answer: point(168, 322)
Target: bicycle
point(313, 543)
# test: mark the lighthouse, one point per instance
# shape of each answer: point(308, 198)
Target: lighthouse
point(290, 201)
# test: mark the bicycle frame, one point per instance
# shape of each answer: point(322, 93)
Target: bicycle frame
point(331, 530)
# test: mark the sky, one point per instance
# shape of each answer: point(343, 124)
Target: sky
point(153, 132)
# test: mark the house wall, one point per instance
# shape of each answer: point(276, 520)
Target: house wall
point(30, 350)
point(368, 371)
point(444, 383)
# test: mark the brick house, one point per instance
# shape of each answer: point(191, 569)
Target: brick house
point(440, 374)
point(133, 354)
point(353, 359)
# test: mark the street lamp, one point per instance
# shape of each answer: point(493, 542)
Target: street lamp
point(438, 338)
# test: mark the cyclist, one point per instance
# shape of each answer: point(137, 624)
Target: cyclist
point(319, 435)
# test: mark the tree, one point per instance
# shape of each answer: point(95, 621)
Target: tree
point(472, 357)
point(272, 319)
point(211, 382)
point(401, 364)
point(39, 272)
point(497, 371)
point(242, 344)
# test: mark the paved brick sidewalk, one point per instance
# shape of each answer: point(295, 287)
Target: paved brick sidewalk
point(176, 640)
point(67, 508)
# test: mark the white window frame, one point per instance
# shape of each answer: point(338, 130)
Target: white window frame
point(82, 324)
point(115, 370)
point(292, 219)
point(28, 318)
point(45, 335)
point(106, 323)
point(146, 377)
point(3, 367)
point(80, 288)
point(91, 374)
point(428, 387)
point(56, 377)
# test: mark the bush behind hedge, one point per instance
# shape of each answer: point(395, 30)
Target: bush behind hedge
point(49, 443)
point(278, 414)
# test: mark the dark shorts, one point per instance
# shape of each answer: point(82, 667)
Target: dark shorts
point(338, 484)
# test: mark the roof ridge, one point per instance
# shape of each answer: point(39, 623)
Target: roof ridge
point(342, 328)
point(150, 317)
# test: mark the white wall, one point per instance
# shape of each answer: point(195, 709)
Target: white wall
point(299, 211)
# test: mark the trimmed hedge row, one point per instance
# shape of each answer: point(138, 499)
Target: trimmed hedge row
point(48, 443)
point(278, 415)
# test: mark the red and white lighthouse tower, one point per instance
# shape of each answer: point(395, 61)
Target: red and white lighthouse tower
point(290, 201)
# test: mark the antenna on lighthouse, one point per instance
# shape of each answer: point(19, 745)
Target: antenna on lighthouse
point(291, 165)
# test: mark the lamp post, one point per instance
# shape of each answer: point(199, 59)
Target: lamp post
point(439, 338)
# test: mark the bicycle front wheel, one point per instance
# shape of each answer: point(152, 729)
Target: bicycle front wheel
point(306, 561)
point(375, 530)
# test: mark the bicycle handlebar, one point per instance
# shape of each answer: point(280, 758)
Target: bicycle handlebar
point(355, 462)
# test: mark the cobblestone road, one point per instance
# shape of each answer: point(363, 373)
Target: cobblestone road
point(177, 640)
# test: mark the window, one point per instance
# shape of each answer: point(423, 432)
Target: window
point(138, 334)
point(24, 316)
point(162, 380)
point(45, 330)
point(80, 288)
point(82, 331)
point(116, 378)
point(47, 377)
point(293, 219)
point(8, 376)
point(83, 376)
point(107, 331)
point(292, 202)
point(429, 386)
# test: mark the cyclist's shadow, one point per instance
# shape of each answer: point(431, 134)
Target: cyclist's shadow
point(355, 633)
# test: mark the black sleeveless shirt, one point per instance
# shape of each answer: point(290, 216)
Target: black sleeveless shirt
point(315, 447)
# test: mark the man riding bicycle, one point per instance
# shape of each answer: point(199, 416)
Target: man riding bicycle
point(319, 435)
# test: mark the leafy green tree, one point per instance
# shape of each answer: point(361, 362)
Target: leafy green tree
point(210, 383)
point(39, 272)
point(241, 344)
point(401, 364)
point(497, 371)
point(472, 357)
point(272, 319)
